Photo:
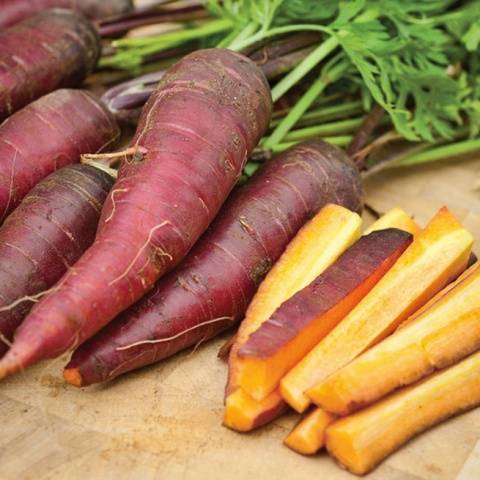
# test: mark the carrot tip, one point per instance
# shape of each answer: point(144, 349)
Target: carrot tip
point(73, 376)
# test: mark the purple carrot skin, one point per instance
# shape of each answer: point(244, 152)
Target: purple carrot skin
point(356, 266)
point(51, 50)
point(194, 136)
point(211, 290)
point(47, 232)
point(14, 11)
point(61, 126)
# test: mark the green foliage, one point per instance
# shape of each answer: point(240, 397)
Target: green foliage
point(400, 54)
point(306, 11)
point(404, 66)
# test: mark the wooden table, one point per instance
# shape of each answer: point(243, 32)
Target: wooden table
point(164, 422)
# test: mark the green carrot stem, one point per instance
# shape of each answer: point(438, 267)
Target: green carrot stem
point(330, 112)
point(263, 34)
point(245, 33)
point(328, 75)
point(227, 39)
point(132, 51)
point(333, 128)
point(305, 66)
point(339, 140)
point(439, 153)
point(205, 29)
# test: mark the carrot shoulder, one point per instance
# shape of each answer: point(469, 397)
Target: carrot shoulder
point(61, 126)
point(53, 49)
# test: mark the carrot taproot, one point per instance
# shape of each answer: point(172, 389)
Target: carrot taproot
point(61, 126)
point(48, 232)
point(14, 11)
point(53, 49)
point(213, 287)
point(195, 134)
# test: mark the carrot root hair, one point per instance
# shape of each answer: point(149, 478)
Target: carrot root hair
point(144, 246)
point(112, 196)
point(27, 298)
point(112, 158)
point(5, 340)
point(174, 337)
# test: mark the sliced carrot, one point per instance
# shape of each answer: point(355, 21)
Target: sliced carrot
point(395, 218)
point(308, 436)
point(317, 245)
point(307, 317)
point(243, 413)
point(447, 332)
point(362, 440)
point(437, 255)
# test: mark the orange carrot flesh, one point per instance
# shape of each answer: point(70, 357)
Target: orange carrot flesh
point(395, 218)
point(316, 246)
point(243, 413)
point(441, 336)
point(437, 255)
point(307, 317)
point(308, 436)
point(361, 441)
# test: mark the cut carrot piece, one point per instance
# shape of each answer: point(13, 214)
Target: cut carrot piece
point(439, 295)
point(243, 413)
point(317, 245)
point(307, 317)
point(308, 436)
point(395, 218)
point(437, 255)
point(447, 332)
point(361, 441)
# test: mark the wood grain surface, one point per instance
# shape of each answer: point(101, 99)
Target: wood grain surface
point(164, 422)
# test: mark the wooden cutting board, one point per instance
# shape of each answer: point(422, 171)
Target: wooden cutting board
point(164, 422)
